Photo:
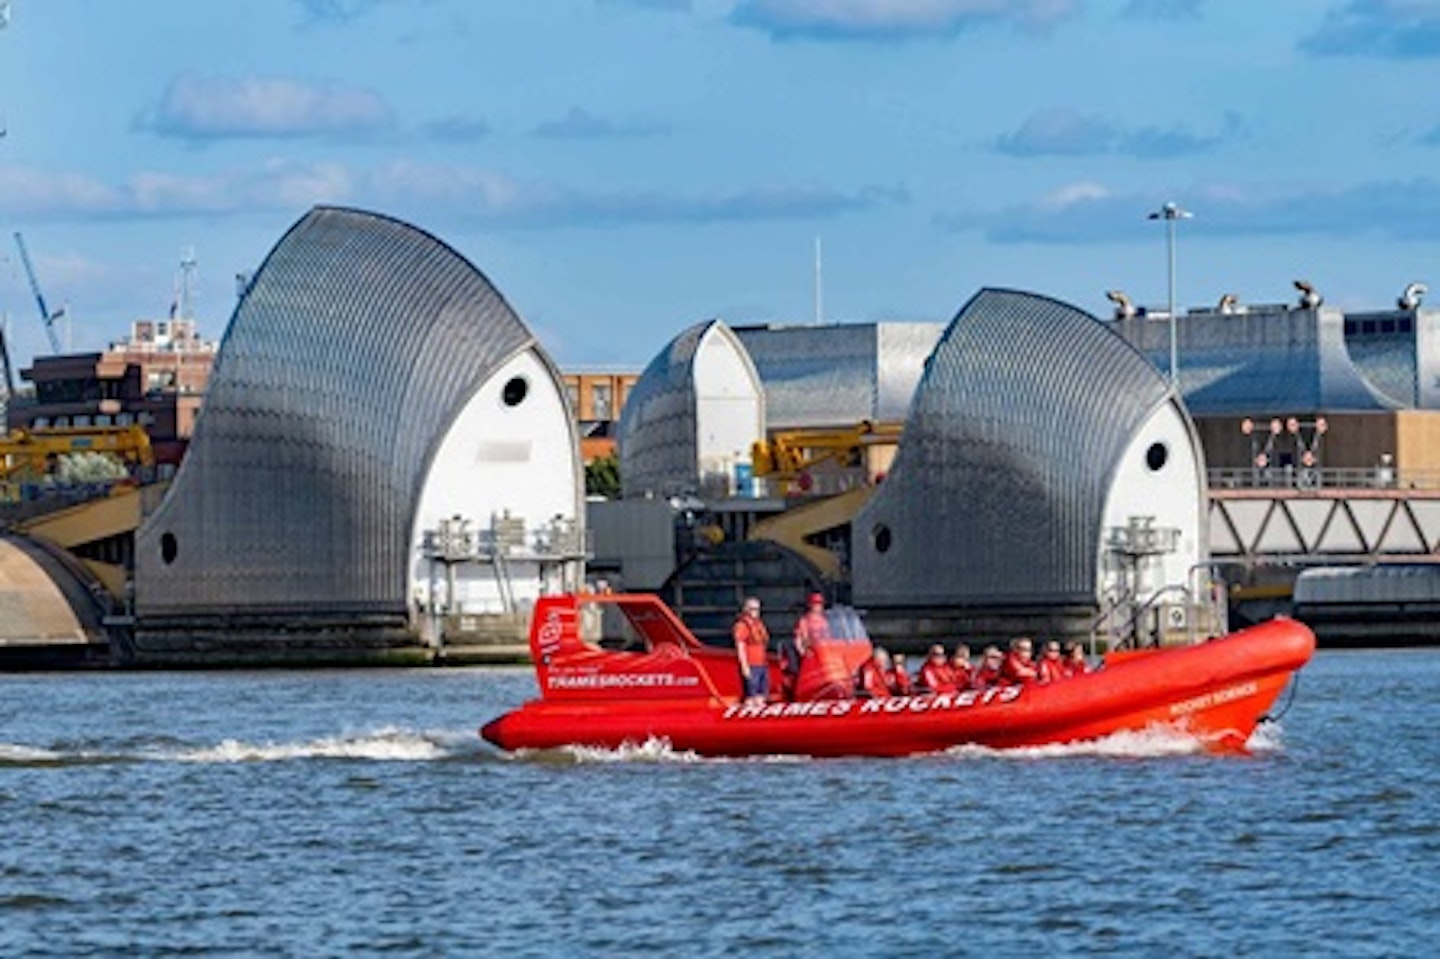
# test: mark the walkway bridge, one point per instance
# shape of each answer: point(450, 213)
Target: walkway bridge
point(1266, 530)
point(1299, 518)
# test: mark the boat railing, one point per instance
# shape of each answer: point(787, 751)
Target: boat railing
point(1126, 621)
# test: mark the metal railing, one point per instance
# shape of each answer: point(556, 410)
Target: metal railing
point(1312, 478)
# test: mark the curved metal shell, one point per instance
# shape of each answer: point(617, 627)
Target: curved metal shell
point(1392, 349)
point(1265, 360)
point(841, 374)
point(662, 449)
point(356, 344)
point(999, 485)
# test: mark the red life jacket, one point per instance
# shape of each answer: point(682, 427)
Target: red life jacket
point(985, 677)
point(964, 676)
point(872, 680)
point(901, 683)
point(751, 635)
point(937, 677)
point(1049, 670)
point(1016, 670)
point(812, 627)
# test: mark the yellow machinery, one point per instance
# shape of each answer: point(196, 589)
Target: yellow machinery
point(31, 453)
point(790, 453)
point(799, 459)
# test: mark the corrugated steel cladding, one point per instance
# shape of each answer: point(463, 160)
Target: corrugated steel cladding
point(838, 375)
point(1269, 359)
point(997, 494)
point(356, 345)
point(657, 440)
point(1385, 348)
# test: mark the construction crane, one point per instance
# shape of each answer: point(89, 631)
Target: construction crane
point(790, 454)
point(5, 359)
point(45, 313)
point(32, 451)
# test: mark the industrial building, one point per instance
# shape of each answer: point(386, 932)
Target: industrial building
point(385, 455)
point(385, 469)
point(1030, 493)
point(1080, 501)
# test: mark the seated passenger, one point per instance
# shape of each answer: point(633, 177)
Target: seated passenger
point(1019, 665)
point(961, 667)
point(900, 682)
point(1075, 662)
point(987, 674)
point(1051, 667)
point(936, 675)
point(873, 678)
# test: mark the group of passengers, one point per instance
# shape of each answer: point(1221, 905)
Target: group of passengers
point(885, 675)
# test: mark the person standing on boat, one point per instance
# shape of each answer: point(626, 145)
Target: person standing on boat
point(811, 629)
point(752, 641)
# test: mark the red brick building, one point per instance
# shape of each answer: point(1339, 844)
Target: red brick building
point(156, 378)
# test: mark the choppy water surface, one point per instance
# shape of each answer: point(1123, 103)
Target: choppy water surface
point(333, 813)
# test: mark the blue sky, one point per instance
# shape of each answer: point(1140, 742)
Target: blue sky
point(623, 168)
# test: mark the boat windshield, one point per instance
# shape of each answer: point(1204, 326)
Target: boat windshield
point(845, 623)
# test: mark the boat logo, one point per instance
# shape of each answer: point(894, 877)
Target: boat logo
point(937, 702)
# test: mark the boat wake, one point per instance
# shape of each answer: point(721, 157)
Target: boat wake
point(386, 744)
point(1153, 743)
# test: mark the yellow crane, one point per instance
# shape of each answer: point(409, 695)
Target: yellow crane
point(33, 451)
point(789, 453)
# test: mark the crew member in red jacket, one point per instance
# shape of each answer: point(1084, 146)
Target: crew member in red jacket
point(937, 675)
point(987, 673)
point(873, 679)
point(752, 640)
point(812, 627)
point(900, 682)
point(961, 667)
point(1075, 662)
point(1050, 667)
point(1020, 662)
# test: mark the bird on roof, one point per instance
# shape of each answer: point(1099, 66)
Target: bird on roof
point(1228, 302)
point(1124, 309)
point(1310, 298)
point(1412, 295)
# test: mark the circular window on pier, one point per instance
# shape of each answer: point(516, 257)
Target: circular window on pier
point(1156, 456)
point(515, 391)
point(169, 549)
point(881, 537)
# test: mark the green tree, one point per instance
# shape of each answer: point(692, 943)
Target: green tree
point(602, 477)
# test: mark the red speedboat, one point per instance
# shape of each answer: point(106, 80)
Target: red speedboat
point(667, 685)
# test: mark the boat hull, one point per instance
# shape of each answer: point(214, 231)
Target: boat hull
point(1215, 691)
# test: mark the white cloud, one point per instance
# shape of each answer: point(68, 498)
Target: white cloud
point(418, 190)
point(273, 185)
point(200, 108)
point(1073, 193)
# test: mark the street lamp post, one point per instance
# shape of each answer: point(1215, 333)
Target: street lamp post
point(1171, 212)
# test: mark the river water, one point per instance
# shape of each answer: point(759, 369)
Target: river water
point(338, 813)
